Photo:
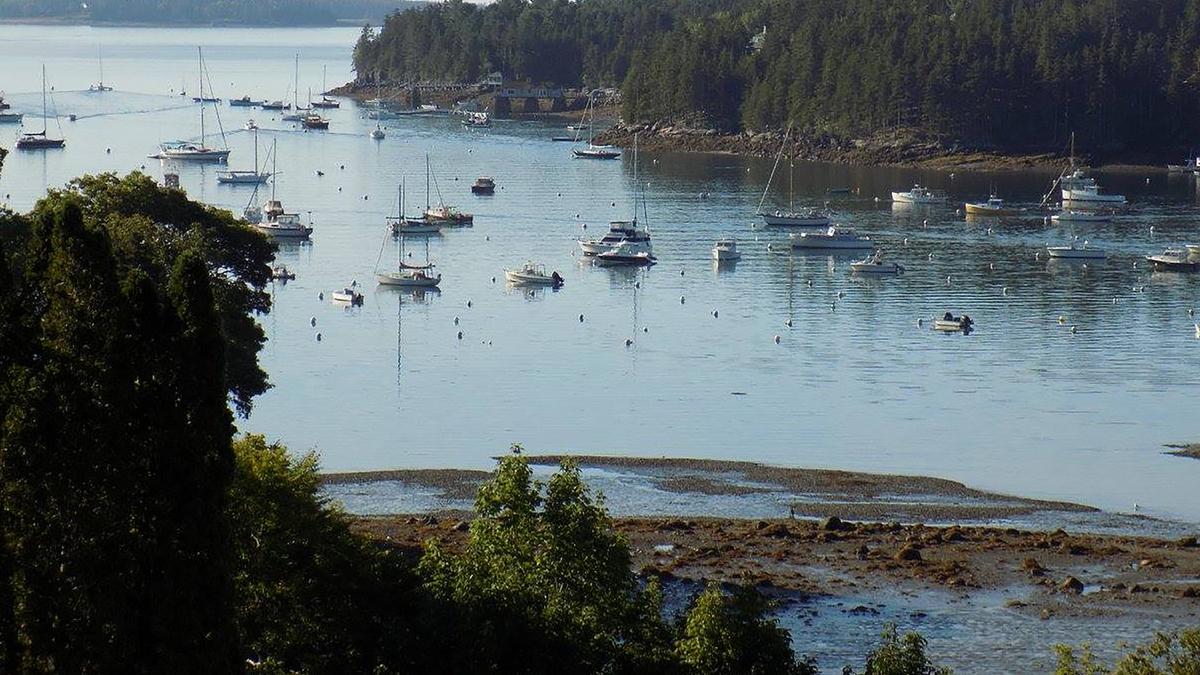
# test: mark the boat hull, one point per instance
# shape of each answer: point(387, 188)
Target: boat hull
point(402, 281)
point(906, 198)
point(597, 154)
point(1068, 253)
point(1088, 197)
point(984, 210)
point(40, 144)
point(250, 178)
point(1081, 217)
point(835, 245)
point(11, 118)
point(1173, 265)
point(199, 156)
point(885, 268)
point(726, 256)
point(514, 277)
point(285, 232)
point(792, 220)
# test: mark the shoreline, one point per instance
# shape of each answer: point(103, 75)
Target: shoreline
point(84, 21)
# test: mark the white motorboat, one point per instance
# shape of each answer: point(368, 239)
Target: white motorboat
point(477, 120)
point(484, 185)
point(791, 217)
point(244, 176)
point(1174, 260)
point(1078, 216)
point(994, 206)
point(347, 296)
point(725, 250)
point(949, 323)
point(1074, 252)
point(875, 264)
point(195, 151)
point(621, 230)
point(627, 253)
point(282, 273)
point(1079, 188)
point(533, 274)
point(40, 140)
point(918, 195)
point(401, 225)
point(274, 221)
point(833, 238)
point(618, 231)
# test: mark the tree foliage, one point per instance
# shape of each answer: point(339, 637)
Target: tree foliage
point(731, 633)
point(901, 655)
point(1167, 654)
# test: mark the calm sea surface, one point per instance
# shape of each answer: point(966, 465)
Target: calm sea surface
point(1022, 405)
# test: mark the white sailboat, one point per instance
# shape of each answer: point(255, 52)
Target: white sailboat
point(593, 151)
point(402, 225)
point(39, 140)
point(410, 276)
point(196, 151)
point(791, 217)
point(243, 176)
point(1080, 189)
point(377, 133)
point(297, 114)
point(100, 86)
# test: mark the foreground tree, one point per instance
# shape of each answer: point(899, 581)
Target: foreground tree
point(114, 462)
point(1167, 654)
point(727, 633)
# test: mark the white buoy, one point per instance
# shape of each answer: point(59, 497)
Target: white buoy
point(628, 342)
point(493, 280)
point(468, 303)
point(1074, 330)
point(841, 294)
point(1197, 327)
point(637, 284)
point(833, 306)
point(906, 241)
point(991, 266)
point(681, 300)
point(931, 255)
point(680, 272)
point(343, 167)
point(925, 223)
point(321, 296)
point(920, 322)
point(809, 282)
point(776, 339)
point(788, 323)
point(1191, 312)
point(313, 322)
point(1037, 255)
point(318, 337)
point(456, 321)
point(645, 329)
point(1006, 290)
point(714, 313)
point(877, 200)
point(460, 335)
point(487, 237)
point(949, 280)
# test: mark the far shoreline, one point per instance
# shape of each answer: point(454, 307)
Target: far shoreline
point(82, 21)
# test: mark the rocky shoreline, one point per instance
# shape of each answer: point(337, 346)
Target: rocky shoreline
point(904, 149)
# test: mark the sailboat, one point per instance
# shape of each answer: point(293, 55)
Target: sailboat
point(593, 151)
point(402, 225)
point(243, 176)
point(196, 151)
point(325, 101)
point(443, 214)
point(1080, 189)
point(39, 140)
point(377, 132)
point(100, 86)
point(791, 217)
point(279, 224)
point(410, 276)
point(297, 113)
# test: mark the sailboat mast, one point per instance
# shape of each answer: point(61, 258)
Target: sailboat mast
point(635, 179)
point(200, 56)
point(274, 169)
point(100, 50)
point(791, 184)
point(427, 181)
point(296, 85)
point(45, 125)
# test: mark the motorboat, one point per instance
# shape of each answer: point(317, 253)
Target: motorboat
point(347, 296)
point(618, 231)
point(994, 206)
point(243, 176)
point(725, 250)
point(276, 105)
point(205, 99)
point(314, 122)
point(282, 273)
point(627, 253)
point(918, 195)
point(250, 125)
point(1190, 166)
point(1174, 260)
point(875, 264)
point(953, 324)
point(833, 238)
point(244, 102)
point(483, 185)
point(40, 140)
point(11, 118)
point(195, 151)
point(533, 274)
point(1078, 216)
point(448, 215)
point(1079, 188)
point(4, 105)
point(477, 120)
point(1073, 252)
point(281, 225)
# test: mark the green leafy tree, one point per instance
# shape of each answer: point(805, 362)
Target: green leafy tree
point(731, 633)
point(901, 655)
point(1167, 654)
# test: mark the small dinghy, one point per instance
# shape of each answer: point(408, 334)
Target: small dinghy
point(348, 296)
point(533, 274)
point(875, 264)
point(953, 324)
point(1074, 252)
